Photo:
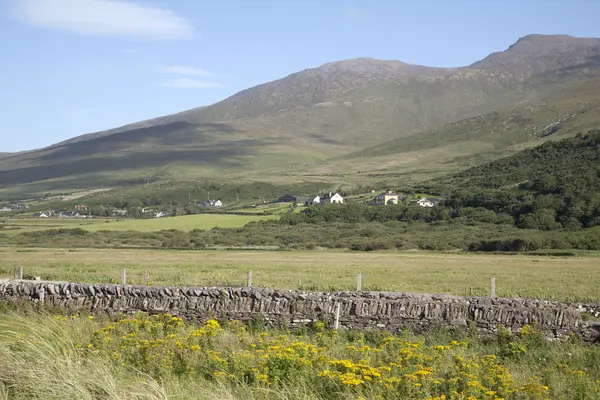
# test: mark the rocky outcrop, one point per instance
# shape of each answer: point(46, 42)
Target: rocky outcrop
point(392, 311)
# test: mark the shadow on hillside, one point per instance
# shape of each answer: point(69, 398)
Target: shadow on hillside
point(218, 155)
point(172, 134)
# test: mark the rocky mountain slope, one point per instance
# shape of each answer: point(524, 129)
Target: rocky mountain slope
point(313, 115)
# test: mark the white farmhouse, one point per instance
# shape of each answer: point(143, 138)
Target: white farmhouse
point(331, 199)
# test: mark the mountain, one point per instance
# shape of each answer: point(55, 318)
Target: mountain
point(545, 55)
point(309, 117)
point(566, 112)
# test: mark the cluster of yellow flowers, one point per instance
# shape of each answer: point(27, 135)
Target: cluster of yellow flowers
point(390, 367)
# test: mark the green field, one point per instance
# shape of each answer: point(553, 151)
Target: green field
point(184, 223)
point(560, 278)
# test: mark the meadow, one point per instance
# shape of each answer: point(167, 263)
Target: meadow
point(545, 277)
point(183, 223)
point(82, 356)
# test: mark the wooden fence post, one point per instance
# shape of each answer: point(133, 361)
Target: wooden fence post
point(146, 278)
point(493, 288)
point(359, 282)
point(124, 277)
point(336, 322)
point(20, 273)
point(249, 283)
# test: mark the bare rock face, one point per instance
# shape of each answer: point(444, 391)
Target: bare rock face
point(359, 310)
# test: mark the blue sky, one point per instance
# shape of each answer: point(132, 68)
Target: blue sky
point(70, 67)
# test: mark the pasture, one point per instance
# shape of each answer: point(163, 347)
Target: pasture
point(184, 223)
point(544, 277)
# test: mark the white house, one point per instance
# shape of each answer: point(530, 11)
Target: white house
point(331, 199)
point(385, 198)
point(314, 200)
point(161, 214)
point(42, 214)
point(213, 203)
point(425, 202)
point(5, 209)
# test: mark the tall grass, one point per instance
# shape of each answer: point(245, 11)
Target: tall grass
point(45, 356)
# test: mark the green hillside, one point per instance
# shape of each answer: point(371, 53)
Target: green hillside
point(303, 127)
point(565, 166)
point(553, 186)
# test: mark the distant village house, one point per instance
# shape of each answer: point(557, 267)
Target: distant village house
point(212, 203)
point(288, 198)
point(44, 214)
point(331, 198)
point(389, 197)
point(428, 202)
point(5, 209)
point(68, 214)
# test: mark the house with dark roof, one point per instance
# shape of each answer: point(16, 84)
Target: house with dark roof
point(288, 198)
point(331, 198)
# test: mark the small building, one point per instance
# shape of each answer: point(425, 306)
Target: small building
point(212, 203)
point(80, 207)
point(5, 209)
point(43, 214)
point(331, 198)
point(68, 214)
point(313, 201)
point(288, 198)
point(119, 213)
point(428, 202)
point(389, 197)
point(161, 214)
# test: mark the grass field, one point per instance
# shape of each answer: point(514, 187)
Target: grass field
point(184, 223)
point(560, 278)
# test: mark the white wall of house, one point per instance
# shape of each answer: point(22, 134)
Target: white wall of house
point(425, 203)
point(336, 198)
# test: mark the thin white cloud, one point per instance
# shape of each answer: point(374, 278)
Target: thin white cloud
point(184, 70)
point(187, 83)
point(355, 15)
point(115, 18)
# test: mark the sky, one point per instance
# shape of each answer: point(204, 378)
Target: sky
point(70, 67)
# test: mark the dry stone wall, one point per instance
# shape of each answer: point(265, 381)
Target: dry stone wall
point(392, 311)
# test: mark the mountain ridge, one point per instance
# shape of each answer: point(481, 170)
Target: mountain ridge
point(316, 114)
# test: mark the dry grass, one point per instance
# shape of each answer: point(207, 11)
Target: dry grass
point(560, 278)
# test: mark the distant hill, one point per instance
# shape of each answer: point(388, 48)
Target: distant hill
point(317, 114)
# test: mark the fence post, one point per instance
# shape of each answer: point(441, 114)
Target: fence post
point(493, 288)
point(249, 283)
point(124, 277)
point(146, 279)
point(471, 291)
point(20, 273)
point(336, 323)
point(359, 282)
